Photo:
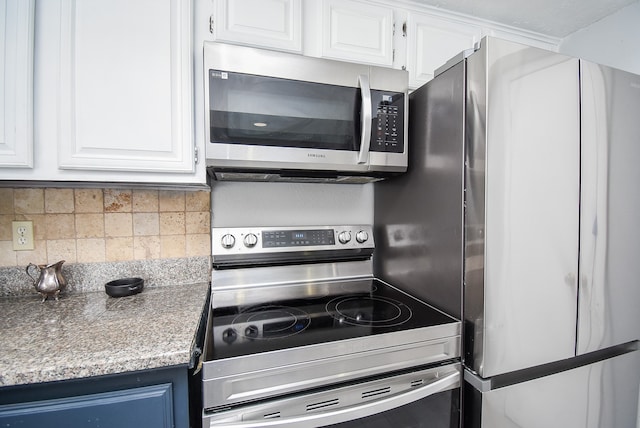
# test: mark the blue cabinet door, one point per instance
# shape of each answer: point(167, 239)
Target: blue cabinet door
point(149, 406)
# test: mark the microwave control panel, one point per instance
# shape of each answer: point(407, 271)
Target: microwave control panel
point(387, 132)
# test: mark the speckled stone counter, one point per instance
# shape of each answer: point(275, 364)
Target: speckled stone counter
point(87, 277)
point(90, 334)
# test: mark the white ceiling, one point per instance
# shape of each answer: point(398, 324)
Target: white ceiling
point(557, 18)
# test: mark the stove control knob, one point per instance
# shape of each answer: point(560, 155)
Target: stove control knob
point(344, 237)
point(251, 332)
point(250, 240)
point(362, 236)
point(229, 336)
point(228, 241)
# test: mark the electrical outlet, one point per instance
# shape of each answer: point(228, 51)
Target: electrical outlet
point(22, 235)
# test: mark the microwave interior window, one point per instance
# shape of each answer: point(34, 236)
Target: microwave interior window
point(256, 110)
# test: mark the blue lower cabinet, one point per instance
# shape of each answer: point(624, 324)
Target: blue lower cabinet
point(150, 406)
point(149, 399)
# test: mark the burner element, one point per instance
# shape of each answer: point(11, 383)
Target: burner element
point(369, 311)
point(271, 322)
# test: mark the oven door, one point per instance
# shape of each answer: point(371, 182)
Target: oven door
point(420, 398)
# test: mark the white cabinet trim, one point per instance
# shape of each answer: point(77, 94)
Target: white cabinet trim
point(16, 113)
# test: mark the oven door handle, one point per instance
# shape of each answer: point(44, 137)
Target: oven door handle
point(445, 383)
point(365, 119)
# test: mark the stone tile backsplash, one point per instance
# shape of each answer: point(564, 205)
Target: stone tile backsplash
point(105, 225)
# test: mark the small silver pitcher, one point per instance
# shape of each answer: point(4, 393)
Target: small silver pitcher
point(50, 282)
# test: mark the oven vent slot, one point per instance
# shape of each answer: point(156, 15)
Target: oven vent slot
point(322, 404)
point(273, 415)
point(415, 383)
point(373, 393)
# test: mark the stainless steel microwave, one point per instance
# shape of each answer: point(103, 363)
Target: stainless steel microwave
point(286, 117)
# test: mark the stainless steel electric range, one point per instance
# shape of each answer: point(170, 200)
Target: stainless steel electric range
point(301, 334)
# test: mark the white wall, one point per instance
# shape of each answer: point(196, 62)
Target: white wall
point(237, 204)
point(612, 41)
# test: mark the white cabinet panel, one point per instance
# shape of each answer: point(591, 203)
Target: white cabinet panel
point(125, 89)
point(16, 83)
point(432, 41)
point(266, 23)
point(358, 32)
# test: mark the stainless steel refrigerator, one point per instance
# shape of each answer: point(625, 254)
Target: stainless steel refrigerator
point(519, 214)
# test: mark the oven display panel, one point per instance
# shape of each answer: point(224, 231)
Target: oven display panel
point(298, 238)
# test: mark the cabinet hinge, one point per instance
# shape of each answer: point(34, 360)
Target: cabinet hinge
point(195, 155)
point(211, 24)
point(404, 29)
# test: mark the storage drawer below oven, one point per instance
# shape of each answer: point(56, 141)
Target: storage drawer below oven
point(381, 401)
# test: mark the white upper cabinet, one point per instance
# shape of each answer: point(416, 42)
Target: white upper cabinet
point(125, 88)
point(113, 93)
point(357, 31)
point(16, 83)
point(432, 41)
point(390, 34)
point(274, 24)
point(346, 30)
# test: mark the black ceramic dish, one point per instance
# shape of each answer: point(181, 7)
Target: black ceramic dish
point(124, 287)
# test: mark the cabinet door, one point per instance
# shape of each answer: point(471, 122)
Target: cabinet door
point(264, 23)
point(432, 41)
point(16, 83)
point(358, 32)
point(150, 406)
point(125, 88)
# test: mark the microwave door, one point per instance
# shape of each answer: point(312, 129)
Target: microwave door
point(365, 119)
point(262, 111)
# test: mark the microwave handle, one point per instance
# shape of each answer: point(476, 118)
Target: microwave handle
point(365, 119)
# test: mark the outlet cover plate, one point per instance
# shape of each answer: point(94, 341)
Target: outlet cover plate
point(22, 235)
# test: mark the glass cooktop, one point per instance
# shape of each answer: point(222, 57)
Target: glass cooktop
point(375, 308)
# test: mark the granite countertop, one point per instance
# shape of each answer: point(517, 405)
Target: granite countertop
point(90, 334)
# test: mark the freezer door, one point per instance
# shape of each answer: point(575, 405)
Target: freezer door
point(610, 200)
point(522, 196)
point(600, 395)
